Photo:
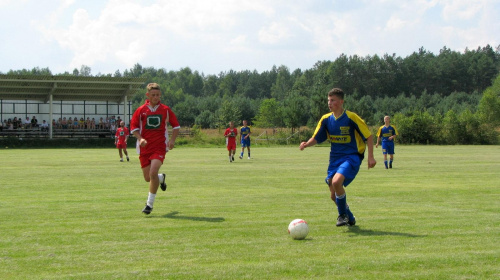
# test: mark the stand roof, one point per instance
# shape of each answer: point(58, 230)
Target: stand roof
point(68, 88)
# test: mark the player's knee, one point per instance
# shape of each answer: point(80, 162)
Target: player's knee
point(332, 196)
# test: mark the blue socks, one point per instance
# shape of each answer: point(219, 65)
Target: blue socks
point(341, 204)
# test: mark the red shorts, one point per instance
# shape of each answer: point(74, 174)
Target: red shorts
point(121, 145)
point(146, 159)
point(231, 145)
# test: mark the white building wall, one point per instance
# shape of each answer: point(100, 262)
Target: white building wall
point(92, 109)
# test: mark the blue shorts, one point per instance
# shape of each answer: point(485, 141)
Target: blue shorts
point(388, 147)
point(347, 166)
point(245, 142)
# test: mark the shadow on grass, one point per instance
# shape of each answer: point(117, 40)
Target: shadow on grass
point(368, 232)
point(173, 215)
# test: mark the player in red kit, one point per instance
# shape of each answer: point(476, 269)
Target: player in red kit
point(230, 134)
point(149, 125)
point(121, 138)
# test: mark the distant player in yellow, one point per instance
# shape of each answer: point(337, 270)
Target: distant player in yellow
point(245, 138)
point(387, 133)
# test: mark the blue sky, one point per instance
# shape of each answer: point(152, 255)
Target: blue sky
point(216, 36)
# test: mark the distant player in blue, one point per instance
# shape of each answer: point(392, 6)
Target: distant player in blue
point(349, 136)
point(245, 139)
point(387, 133)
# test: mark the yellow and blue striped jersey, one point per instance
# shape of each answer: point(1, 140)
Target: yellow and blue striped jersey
point(347, 133)
point(244, 131)
point(386, 132)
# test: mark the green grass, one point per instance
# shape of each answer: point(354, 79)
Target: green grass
point(76, 214)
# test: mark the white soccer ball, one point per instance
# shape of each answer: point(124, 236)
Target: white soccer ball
point(298, 229)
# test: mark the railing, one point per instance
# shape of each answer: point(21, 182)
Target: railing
point(68, 133)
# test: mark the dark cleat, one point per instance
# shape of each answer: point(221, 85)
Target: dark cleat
point(147, 210)
point(163, 185)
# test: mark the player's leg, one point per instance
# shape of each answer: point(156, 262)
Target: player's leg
point(151, 197)
point(345, 174)
point(384, 151)
point(242, 149)
point(248, 149)
point(154, 181)
point(126, 153)
point(337, 191)
point(150, 173)
point(390, 151)
point(120, 153)
point(352, 219)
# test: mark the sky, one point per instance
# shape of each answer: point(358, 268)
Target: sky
point(214, 36)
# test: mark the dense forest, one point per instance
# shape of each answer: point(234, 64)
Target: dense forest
point(426, 93)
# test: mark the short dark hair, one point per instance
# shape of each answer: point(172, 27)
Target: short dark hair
point(337, 92)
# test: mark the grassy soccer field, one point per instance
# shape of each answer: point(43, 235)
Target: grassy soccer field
point(76, 214)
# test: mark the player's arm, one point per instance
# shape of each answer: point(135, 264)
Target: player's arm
point(311, 142)
point(371, 159)
point(172, 119)
point(142, 141)
point(171, 141)
point(378, 137)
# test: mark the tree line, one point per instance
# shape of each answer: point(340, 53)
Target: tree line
point(438, 85)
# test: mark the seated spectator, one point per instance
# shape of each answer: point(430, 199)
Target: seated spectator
point(92, 124)
point(112, 127)
point(101, 123)
point(70, 123)
point(34, 122)
point(107, 122)
point(112, 121)
point(87, 123)
point(10, 125)
point(64, 123)
point(27, 123)
point(45, 126)
point(1, 126)
point(59, 123)
point(81, 123)
point(54, 123)
point(76, 123)
point(14, 123)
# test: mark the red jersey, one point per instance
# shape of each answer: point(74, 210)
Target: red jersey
point(152, 124)
point(232, 136)
point(121, 135)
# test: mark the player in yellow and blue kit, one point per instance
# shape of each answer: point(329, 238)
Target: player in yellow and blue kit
point(347, 133)
point(245, 139)
point(387, 133)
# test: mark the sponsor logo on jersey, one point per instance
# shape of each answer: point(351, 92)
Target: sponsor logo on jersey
point(344, 130)
point(341, 139)
point(153, 121)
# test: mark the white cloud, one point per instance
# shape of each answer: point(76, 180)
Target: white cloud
point(462, 9)
point(214, 36)
point(274, 33)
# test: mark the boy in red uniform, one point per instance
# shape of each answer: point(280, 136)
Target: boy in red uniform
point(121, 138)
point(230, 135)
point(149, 126)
